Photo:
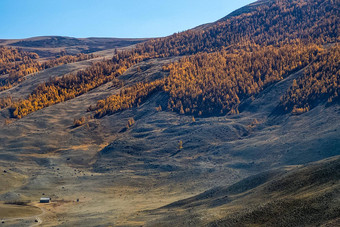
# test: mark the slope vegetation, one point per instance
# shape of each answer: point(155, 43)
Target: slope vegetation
point(17, 64)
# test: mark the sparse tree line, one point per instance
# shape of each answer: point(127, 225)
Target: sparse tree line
point(17, 64)
point(70, 86)
point(129, 97)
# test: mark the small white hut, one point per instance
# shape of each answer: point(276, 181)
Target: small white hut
point(45, 200)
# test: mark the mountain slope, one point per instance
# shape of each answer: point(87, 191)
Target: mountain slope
point(270, 22)
point(125, 167)
point(304, 195)
point(243, 38)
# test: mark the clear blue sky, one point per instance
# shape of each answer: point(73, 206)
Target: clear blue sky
point(108, 18)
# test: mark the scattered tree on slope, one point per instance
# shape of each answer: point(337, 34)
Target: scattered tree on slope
point(70, 86)
point(127, 98)
point(17, 64)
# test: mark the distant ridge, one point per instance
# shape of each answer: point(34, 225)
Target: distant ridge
point(47, 46)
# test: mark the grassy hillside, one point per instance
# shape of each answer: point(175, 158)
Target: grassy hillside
point(303, 195)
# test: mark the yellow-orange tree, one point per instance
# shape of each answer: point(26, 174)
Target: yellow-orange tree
point(269, 22)
point(73, 85)
point(17, 64)
point(127, 98)
point(321, 82)
point(215, 83)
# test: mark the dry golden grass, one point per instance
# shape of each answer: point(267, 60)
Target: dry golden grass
point(8, 211)
point(10, 180)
